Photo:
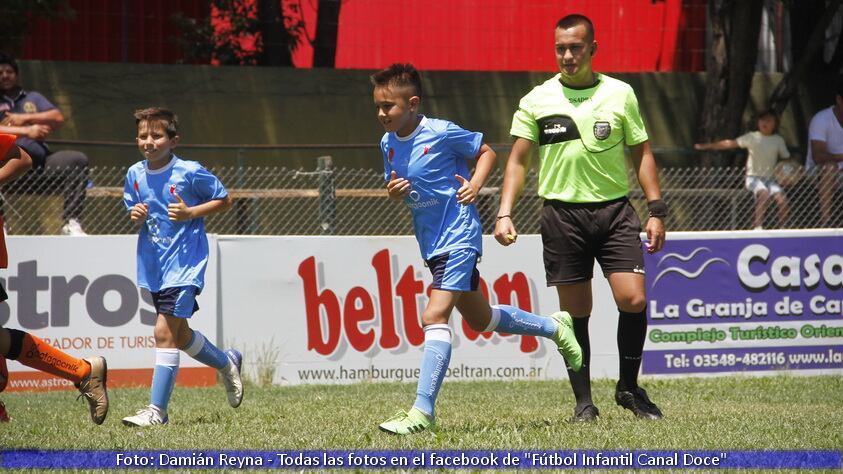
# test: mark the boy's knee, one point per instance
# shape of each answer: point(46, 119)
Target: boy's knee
point(432, 317)
point(168, 333)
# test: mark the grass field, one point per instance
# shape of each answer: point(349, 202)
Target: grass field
point(730, 413)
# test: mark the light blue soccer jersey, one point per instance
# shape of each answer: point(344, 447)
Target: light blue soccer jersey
point(429, 158)
point(171, 254)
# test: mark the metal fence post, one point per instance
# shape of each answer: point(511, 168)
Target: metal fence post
point(245, 209)
point(327, 195)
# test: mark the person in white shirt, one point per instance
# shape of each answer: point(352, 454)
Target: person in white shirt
point(825, 152)
point(765, 147)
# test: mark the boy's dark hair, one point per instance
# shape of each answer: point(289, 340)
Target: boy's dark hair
point(159, 114)
point(10, 60)
point(574, 19)
point(398, 75)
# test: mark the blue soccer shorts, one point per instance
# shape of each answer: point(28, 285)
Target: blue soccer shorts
point(179, 301)
point(455, 270)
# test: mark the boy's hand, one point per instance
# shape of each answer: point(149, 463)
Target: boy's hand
point(139, 212)
point(505, 232)
point(38, 132)
point(466, 194)
point(178, 211)
point(397, 187)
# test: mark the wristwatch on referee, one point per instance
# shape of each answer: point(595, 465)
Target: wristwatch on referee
point(657, 208)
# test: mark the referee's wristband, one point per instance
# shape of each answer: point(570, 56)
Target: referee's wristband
point(657, 208)
point(503, 216)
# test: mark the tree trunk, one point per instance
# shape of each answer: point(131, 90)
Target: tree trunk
point(276, 39)
point(735, 25)
point(784, 90)
point(327, 24)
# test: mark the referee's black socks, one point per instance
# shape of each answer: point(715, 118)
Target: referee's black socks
point(632, 332)
point(581, 381)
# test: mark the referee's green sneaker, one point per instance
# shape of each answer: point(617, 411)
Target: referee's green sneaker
point(408, 422)
point(565, 340)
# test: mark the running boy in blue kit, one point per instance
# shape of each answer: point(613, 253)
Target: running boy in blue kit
point(169, 197)
point(425, 166)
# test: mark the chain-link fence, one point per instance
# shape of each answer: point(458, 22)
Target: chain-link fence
point(347, 201)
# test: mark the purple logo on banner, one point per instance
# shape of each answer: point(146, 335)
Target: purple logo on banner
point(747, 280)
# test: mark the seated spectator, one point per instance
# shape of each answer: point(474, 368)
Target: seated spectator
point(825, 153)
point(32, 117)
point(765, 147)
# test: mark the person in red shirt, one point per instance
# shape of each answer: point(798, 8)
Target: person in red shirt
point(89, 375)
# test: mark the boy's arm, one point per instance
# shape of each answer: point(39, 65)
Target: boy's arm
point(721, 145)
point(179, 211)
point(16, 161)
point(485, 162)
point(469, 190)
point(35, 132)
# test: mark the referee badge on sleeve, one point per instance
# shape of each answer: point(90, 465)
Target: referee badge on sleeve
point(602, 130)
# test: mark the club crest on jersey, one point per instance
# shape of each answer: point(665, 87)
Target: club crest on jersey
point(602, 130)
point(426, 149)
point(390, 154)
point(173, 189)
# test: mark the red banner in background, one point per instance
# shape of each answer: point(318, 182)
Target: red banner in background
point(465, 35)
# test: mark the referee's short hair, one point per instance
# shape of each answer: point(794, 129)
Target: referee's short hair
point(574, 19)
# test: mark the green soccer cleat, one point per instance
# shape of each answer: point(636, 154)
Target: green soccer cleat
point(566, 342)
point(403, 423)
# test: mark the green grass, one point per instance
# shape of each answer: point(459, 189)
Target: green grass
point(701, 413)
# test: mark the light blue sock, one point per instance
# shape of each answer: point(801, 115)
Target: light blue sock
point(512, 320)
point(164, 377)
point(202, 350)
point(437, 356)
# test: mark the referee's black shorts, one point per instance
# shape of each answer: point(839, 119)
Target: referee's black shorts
point(574, 234)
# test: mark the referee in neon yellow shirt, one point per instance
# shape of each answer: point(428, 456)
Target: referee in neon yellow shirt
point(581, 121)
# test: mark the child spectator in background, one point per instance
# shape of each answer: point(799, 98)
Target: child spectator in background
point(765, 148)
point(89, 375)
point(169, 197)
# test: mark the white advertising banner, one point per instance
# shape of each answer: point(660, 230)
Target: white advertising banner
point(348, 309)
point(80, 294)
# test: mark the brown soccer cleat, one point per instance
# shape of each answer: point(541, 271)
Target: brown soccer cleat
point(93, 389)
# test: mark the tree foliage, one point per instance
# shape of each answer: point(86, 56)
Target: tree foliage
point(252, 32)
point(19, 16)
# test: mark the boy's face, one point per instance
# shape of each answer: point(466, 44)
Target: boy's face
point(767, 124)
point(396, 108)
point(153, 141)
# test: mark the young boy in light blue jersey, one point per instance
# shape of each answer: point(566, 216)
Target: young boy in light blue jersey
point(169, 197)
point(425, 166)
